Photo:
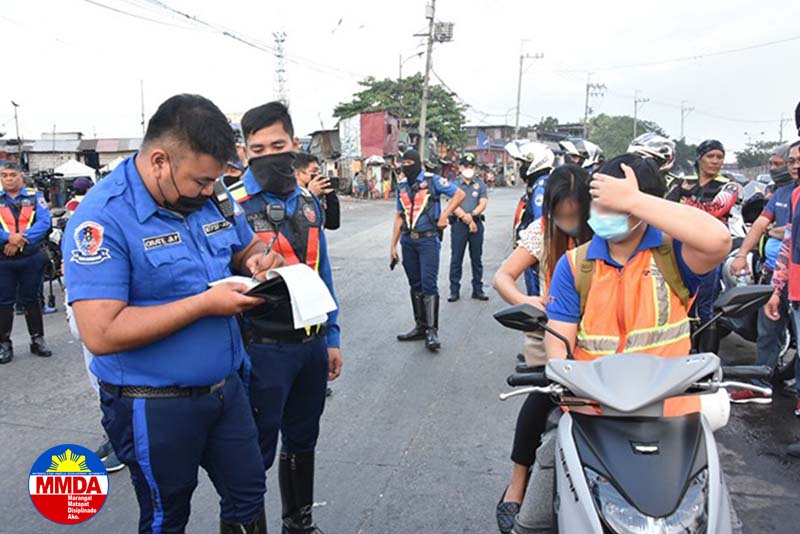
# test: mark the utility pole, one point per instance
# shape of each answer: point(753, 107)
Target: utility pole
point(780, 131)
point(400, 67)
point(141, 96)
point(522, 58)
point(636, 101)
point(281, 90)
point(430, 13)
point(592, 90)
point(16, 123)
point(685, 110)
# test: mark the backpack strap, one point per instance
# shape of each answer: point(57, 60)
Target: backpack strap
point(584, 269)
point(667, 263)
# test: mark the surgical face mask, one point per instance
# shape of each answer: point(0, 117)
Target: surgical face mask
point(468, 173)
point(184, 205)
point(611, 226)
point(275, 173)
point(569, 230)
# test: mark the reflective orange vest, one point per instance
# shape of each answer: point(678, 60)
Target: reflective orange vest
point(27, 211)
point(416, 206)
point(634, 310)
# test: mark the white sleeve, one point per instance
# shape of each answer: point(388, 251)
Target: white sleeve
point(532, 239)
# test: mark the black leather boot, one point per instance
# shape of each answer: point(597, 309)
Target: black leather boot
point(296, 480)
point(256, 526)
point(432, 322)
point(33, 316)
point(6, 322)
point(418, 332)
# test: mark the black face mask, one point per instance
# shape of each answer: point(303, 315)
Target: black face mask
point(412, 171)
point(184, 205)
point(781, 175)
point(275, 173)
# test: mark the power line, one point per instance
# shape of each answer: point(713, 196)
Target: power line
point(140, 17)
point(692, 57)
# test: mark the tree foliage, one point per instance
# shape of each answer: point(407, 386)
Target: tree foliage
point(755, 154)
point(403, 98)
point(614, 133)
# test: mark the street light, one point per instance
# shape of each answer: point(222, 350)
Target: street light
point(404, 61)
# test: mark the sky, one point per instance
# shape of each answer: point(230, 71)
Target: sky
point(81, 63)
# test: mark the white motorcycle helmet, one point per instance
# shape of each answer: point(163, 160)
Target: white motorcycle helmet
point(537, 156)
point(652, 145)
point(594, 154)
point(573, 148)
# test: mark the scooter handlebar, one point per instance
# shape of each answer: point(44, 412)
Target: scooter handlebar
point(746, 372)
point(537, 378)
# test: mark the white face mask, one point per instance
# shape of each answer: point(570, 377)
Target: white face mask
point(468, 173)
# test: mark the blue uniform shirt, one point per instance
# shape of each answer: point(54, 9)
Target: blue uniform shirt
point(120, 245)
point(779, 211)
point(251, 187)
point(41, 218)
point(564, 302)
point(440, 186)
point(474, 191)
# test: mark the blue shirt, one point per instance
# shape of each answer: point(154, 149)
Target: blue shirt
point(564, 303)
point(779, 211)
point(251, 187)
point(474, 191)
point(120, 245)
point(439, 186)
point(41, 217)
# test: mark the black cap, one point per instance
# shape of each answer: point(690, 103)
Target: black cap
point(411, 154)
point(467, 159)
point(648, 174)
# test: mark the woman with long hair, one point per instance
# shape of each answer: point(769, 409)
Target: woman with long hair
point(563, 226)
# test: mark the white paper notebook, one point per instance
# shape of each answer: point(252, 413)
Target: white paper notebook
point(311, 300)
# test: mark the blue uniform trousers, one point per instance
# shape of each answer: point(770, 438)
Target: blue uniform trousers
point(287, 393)
point(21, 276)
point(460, 238)
point(421, 263)
point(163, 441)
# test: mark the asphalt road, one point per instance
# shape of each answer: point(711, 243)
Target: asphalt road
point(412, 442)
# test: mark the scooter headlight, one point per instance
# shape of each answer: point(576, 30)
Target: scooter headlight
point(623, 518)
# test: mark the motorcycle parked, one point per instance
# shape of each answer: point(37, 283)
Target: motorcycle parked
point(629, 469)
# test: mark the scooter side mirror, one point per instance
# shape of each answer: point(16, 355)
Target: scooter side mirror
point(522, 317)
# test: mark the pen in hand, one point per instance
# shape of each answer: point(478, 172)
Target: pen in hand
point(267, 251)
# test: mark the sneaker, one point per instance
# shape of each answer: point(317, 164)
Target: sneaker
point(49, 309)
point(749, 397)
point(104, 451)
point(112, 463)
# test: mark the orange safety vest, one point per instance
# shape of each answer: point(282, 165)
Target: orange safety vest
point(13, 224)
point(634, 310)
point(414, 207)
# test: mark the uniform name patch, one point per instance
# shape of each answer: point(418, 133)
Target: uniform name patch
point(217, 226)
point(161, 240)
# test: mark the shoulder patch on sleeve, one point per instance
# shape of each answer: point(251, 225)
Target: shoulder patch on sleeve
point(444, 181)
point(89, 244)
point(42, 202)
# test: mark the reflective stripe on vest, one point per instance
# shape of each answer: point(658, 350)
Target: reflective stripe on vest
point(634, 310)
point(412, 210)
point(11, 224)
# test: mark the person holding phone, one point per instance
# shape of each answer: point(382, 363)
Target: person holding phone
point(309, 176)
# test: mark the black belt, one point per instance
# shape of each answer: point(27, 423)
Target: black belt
point(417, 235)
point(295, 336)
point(149, 392)
point(477, 218)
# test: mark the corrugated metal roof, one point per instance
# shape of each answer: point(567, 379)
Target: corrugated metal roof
point(48, 145)
point(87, 144)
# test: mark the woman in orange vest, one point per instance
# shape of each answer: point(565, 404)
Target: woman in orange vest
point(563, 225)
point(618, 293)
